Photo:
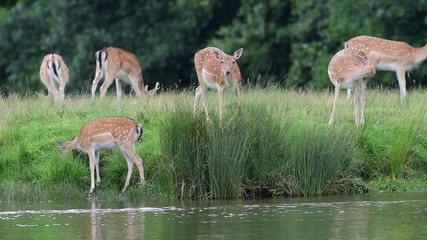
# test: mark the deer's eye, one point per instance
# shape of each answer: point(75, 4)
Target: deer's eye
point(222, 61)
point(234, 62)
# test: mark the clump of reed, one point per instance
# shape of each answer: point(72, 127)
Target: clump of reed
point(253, 148)
point(403, 137)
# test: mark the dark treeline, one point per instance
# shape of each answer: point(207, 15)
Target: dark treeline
point(288, 42)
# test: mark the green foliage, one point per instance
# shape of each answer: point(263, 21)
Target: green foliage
point(320, 29)
point(162, 34)
point(262, 29)
point(287, 42)
point(392, 185)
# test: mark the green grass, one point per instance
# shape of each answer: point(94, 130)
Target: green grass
point(277, 140)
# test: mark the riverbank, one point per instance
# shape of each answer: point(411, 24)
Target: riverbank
point(278, 143)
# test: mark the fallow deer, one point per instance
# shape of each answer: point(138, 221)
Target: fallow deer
point(216, 70)
point(395, 56)
point(54, 75)
point(350, 69)
point(117, 64)
point(107, 133)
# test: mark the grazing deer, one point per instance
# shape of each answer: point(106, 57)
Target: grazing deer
point(350, 69)
point(54, 75)
point(217, 70)
point(117, 64)
point(395, 56)
point(108, 132)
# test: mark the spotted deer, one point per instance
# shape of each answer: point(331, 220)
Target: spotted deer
point(117, 64)
point(54, 75)
point(107, 133)
point(216, 70)
point(395, 56)
point(350, 69)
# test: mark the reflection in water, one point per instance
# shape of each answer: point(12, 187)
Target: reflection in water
point(129, 226)
point(95, 222)
point(341, 217)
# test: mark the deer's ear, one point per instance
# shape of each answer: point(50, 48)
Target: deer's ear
point(360, 58)
point(217, 54)
point(59, 142)
point(238, 53)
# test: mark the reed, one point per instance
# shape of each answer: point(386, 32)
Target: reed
point(404, 136)
point(254, 149)
point(321, 160)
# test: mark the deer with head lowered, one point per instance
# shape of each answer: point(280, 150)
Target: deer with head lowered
point(54, 75)
point(350, 69)
point(216, 70)
point(395, 56)
point(117, 64)
point(108, 132)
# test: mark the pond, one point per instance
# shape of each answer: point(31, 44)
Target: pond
point(373, 216)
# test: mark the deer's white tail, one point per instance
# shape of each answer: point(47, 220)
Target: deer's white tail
point(139, 131)
point(54, 70)
point(101, 58)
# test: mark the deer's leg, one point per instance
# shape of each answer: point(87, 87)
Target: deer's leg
point(197, 93)
point(237, 93)
point(362, 100)
point(129, 174)
point(131, 158)
point(337, 91)
point(52, 89)
point(400, 73)
point(98, 178)
point(205, 102)
point(95, 82)
point(107, 83)
point(135, 82)
point(135, 158)
point(50, 85)
point(221, 102)
point(61, 90)
point(357, 92)
point(118, 88)
point(63, 82)
point(92, 162)
point(348, 94)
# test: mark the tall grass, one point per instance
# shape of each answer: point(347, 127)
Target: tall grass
point(253, 149)
point(321, 160)
point(404, 136)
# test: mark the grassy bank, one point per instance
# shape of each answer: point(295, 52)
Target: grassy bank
point(277, 143)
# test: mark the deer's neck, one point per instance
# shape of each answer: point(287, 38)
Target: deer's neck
point(73, 144)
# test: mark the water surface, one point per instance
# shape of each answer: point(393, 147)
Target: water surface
point(375, 216)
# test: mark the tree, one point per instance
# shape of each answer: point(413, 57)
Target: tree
point(321, 28)
point(261, 28)
point(285, 42)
